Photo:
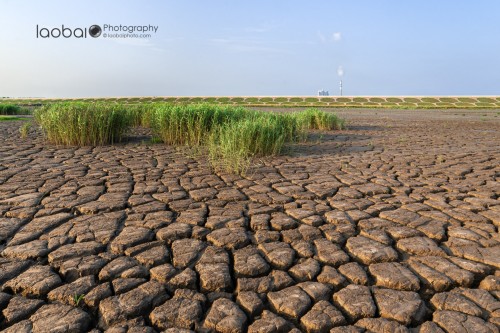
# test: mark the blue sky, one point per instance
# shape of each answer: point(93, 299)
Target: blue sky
point(259, 47)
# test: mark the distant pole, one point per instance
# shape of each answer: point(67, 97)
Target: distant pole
point(340, 73)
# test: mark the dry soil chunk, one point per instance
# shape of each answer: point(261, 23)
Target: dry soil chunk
point(455, 302)
point(213, 268)
point(316, 290)
point(421, 246)
point(292, 301)
point(75, 250)
point(279, 254)
point(75, 268)
point(332, 277)
point(321, 318)
point(225, 316)
point(65, 293)
point(483, 299)
point(131, 304)
point(186, 279)
point(490, 283)
point(306, 270)
point(347, 329)
point(229, 238)
point(394, 276)
point(270, 323)
point(31, 250)
point(368, 251)
point(20, 308)
point(177, 312)
point(10, 269)
point(329, 253)
point(57, 318)
point(124, 267)
point(354, 273)
point(37, 281)
point(248, 263)
point(488, 256)
point(452, 321)
point(356, 301)
point(203, 194)
point(186, 251)
point(129, 237)
point(38, 226)
point(121, 286)
point(429, 276)
point(459, 276)
point(25, 326)
point(174, 231)
point(428, 327)
point(100, 292)
point(405, 307)
point(214, 277)
point(381, 325)
point(250, 302)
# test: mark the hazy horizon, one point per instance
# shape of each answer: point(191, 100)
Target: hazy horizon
point(259, 48)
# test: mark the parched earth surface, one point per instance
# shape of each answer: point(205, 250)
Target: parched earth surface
point(388, 226)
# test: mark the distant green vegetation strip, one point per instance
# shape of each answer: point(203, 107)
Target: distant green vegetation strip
point(9, 109)
point(10, 118)
point(333, 102)
point(233, 135)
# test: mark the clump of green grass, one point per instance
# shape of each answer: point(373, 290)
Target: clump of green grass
point(83, 123)
point(317, 119)
point(24, 129)
point(139, 114)
point(77, 298)
point(234, 144)
point(9, 109)
point(190, 124)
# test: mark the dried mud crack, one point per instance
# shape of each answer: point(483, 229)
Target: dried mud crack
point(388, 226)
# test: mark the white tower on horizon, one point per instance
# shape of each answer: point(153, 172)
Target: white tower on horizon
point(340, 73)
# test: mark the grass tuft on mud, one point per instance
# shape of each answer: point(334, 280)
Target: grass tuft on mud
point(317, 119)
point(82, 123)
point(232, 145)
point(191, 124)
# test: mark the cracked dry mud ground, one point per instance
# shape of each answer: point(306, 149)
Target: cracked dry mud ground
point(389, 226)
